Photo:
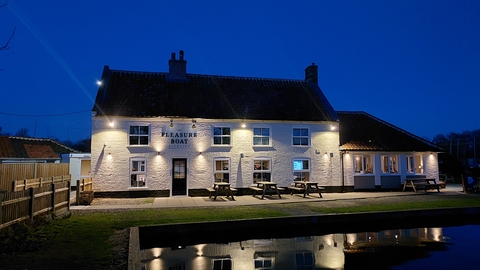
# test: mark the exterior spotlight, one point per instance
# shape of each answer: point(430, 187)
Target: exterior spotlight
point(99, 83)
point(111, 124)
point(332, 127)
point(243, 125)
point(171, 123)
point(193, 123)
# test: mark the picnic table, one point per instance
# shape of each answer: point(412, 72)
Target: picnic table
point(267, 188)
point(421, 183)
point(219, 188)
point(306, 187)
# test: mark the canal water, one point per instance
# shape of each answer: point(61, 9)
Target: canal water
point(410, 248)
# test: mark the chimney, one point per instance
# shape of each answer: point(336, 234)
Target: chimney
point(177, 69)
point(311, 74)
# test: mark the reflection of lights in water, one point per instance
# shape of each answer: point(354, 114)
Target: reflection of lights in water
point(437, 234)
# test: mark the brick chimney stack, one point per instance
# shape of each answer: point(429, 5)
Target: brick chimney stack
point(311, 74)
point(177, 69)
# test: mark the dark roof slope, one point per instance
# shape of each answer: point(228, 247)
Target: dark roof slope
point(361, 131)
point(21, 148)
point(149, 94)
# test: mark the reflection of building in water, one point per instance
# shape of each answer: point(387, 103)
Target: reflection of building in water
point(310, 252)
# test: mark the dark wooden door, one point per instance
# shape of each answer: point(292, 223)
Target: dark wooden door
point(179, 177)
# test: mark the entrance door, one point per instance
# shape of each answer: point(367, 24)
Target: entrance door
point(179, 177)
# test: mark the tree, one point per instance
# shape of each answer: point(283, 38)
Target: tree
point(23, 132)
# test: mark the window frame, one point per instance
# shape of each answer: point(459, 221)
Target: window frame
point(139, 125)
point(138, 172)
point(391, 169)
point(261, 136)
point(364, 169)
point(222, 170)
point(304, 173)
point(417, 168)
point(300, 137)
point(221, 260)
point(221, 136)
point(265, 174)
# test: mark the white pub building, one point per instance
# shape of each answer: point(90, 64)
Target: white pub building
point(175, 134)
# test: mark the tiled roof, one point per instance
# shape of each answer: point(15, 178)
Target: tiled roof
point(32, 148)
point(360, 131)
point(150, 94)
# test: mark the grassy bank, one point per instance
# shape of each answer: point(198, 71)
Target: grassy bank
point(86, 240)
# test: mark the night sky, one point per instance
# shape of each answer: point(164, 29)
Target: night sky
point(415, 64)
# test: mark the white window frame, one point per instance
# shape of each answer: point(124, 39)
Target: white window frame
point(139, 134)
point(140, 174)
point(221, 136)
point(261, 262)
point(262, 170)
point(222, 260)
point(301, 136)
point(414, 164)
point(222, 169)
point(262, 137)
point(360, 159)
point(304, 265)
point(304, 173)
point(389, 164)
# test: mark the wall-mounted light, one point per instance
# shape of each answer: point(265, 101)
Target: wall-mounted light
point(99, 83)
point(332, 127)
point(158, 153)
point(111, 124)
point(331, 155)
point(241, 155)
point(193, 123)
point(243, 125)
point(199, 153)
point(171, 123)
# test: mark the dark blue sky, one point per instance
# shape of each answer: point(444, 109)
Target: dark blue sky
point(415, 64)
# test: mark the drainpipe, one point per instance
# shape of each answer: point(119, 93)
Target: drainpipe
point(343, 170)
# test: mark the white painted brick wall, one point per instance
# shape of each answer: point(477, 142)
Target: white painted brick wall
point(111, 163)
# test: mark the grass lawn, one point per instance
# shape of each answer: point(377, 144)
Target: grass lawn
point(81, 241)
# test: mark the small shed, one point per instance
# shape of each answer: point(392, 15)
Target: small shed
point(79, 166)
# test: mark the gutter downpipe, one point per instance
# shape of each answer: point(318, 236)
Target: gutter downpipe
point(343, 170)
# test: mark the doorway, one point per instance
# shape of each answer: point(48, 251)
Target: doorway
point(179, 177)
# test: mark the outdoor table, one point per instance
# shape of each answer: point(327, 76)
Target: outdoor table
point(268, 187)
point(308, 187)
point(222, 187)
point(426, 183)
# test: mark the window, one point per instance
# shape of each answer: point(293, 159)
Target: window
point(363, 164)
point(389, 164)
point(139, 135)
point(222, 170)
point(301, 136)
point(263, 263)
point(221, 136)
point(261, 136)
point(138, 172)
point(222, 264)
point(415, 164)
point(304, 260)
point(301, 170)
point(261, 170)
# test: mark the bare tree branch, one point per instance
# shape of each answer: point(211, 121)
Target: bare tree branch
point(6, 47)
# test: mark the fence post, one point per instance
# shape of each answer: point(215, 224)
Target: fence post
point(2, 192)
point(52, 201)
point(31, 192)
point(68, 195)
point(77, 192)
point(14, 187)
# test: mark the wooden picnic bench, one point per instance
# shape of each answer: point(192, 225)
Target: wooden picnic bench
point(221, 187)
point(306, 188)
point(421, 184)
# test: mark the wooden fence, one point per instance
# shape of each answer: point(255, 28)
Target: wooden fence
point(84, 191)
point(26, 204)
point(25, 184)
point(9, 172)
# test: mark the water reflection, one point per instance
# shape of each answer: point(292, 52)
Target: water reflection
point(374, 250)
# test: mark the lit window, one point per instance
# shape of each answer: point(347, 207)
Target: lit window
point(138, 172)
point(261, 136)
point(301, 137)
point(222, 170)
point(221, 136)
point(301, 170)
point(415, 164)
point(389, 164)
point(139, 135)
point(363, 164)
point(261, 170)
